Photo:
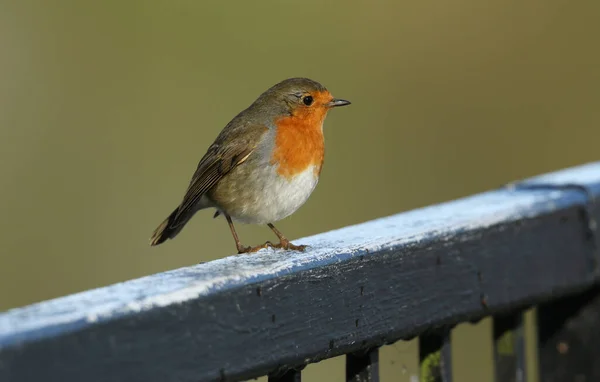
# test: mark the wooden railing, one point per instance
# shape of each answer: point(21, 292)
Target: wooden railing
point(530, 244)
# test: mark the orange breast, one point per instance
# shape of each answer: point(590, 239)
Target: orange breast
point(299, 142)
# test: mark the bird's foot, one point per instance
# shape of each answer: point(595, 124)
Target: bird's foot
point(243, 249)
point(284, 244)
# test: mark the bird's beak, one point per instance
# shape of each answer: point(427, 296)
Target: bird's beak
point(337, 102)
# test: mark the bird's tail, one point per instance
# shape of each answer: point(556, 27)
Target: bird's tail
point(168, 229)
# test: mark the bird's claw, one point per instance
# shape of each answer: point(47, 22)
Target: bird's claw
point(285, 244)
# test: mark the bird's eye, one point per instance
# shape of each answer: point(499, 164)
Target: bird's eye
point(308, 100)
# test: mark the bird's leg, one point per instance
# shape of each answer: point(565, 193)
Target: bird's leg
point(238, 244)
point(283, 241)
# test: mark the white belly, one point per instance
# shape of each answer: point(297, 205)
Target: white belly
point(268, 197)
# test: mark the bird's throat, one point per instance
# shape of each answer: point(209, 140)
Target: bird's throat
point(299, 143)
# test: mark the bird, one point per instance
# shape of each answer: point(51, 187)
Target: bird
point(263, 165)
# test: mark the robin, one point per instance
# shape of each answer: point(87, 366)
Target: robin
point(263, 165)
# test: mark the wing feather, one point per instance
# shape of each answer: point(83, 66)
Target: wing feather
point(229, 151)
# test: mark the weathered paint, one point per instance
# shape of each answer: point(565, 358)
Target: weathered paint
point(442, 221)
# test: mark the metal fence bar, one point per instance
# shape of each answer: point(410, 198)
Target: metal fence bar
point(289, 376)
point(435, 357)
point(363, 366)
point(569, 338)
point(509, 348)
point(355, 288)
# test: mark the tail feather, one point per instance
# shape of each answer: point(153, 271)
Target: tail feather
point(168, 229)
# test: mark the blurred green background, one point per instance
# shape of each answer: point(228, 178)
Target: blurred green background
point(106, 107)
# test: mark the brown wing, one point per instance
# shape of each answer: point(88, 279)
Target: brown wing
point(231, 148)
